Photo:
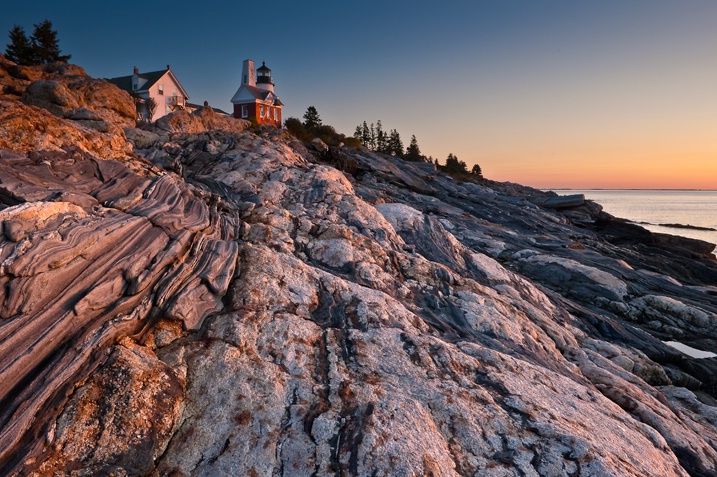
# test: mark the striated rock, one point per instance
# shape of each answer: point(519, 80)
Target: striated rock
point(661, 311)
point(121, 419)
point(571, 277)
point(229, 304)
point(101, 272)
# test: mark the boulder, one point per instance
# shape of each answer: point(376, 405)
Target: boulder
point(26, 128)
point(320, 145)
point(140, 138)
point(202, 120)
point(83, 99)
point(51, 95)
point(564, 201)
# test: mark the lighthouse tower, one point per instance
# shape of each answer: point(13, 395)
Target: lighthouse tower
point(263, 78)
point(255, 99)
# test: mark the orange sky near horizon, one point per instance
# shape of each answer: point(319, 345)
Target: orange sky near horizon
point(679, 170)
point(667, 162)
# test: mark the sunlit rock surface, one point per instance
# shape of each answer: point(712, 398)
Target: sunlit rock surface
point(208, 300)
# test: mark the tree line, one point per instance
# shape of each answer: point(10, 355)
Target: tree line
point(41, 48)
point(376, 139)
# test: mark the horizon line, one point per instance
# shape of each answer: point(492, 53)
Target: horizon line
point(628, 188)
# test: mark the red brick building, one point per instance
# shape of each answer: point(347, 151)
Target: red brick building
point(255, 99)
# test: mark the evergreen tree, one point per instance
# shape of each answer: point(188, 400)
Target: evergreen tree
point(413, 153)
point(312, 121)
point(451, 162)
point(19, 50)
point(365, 134)
point(45, 45)
point(395, 145)
point(376, 139)
point(381, 138)
point(453, 165)
point(477, 171)
point(372, 137)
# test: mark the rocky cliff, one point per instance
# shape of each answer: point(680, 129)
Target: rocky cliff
point(195, 298)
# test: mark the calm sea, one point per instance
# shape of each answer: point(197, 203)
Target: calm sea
point(654, 208)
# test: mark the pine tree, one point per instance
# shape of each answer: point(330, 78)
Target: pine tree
point(381, 138)
point(454, 165)
point(413, 153)
point(395, 145)
point(365, 134)
point(372, 137)
point(19, 50)
point(477, 171)
point(45, 44)
point(312, 121)
point(451, 162)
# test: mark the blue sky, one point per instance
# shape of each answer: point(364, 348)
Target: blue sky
point(551, 93)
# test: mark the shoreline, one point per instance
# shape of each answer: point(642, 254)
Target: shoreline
point(680, 212)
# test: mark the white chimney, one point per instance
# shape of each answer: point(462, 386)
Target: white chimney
point(248, 74)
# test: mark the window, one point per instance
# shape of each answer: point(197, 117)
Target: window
point(276, 115)
point(244, 111)
point(261, 111)
point(160, 88)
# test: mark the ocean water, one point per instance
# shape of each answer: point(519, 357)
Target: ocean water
point(653, 209)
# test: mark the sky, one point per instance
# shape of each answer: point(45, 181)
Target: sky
point(546, 93)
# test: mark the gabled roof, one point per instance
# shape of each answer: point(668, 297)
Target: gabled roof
point(125, 82)
point(122, 82)
point(254, 92)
